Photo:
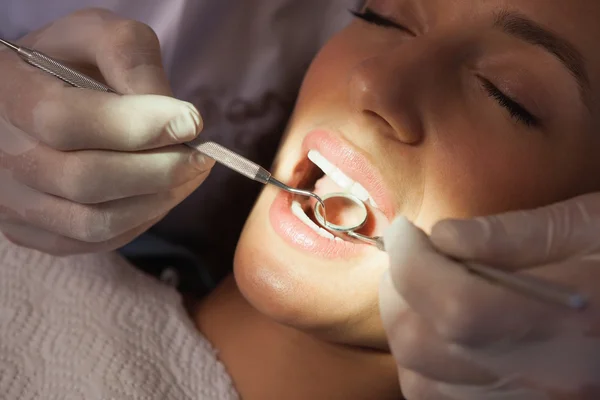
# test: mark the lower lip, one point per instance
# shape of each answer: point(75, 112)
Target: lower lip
point(301, 236)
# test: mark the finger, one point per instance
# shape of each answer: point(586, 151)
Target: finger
point(88, 223)
point(24, 235)
point(93, 177)
point(524, 238)
point(66, 118)
point(462, 307)
point(416, 346)
point(417, 387)
point(127, 52)
point(71, 119)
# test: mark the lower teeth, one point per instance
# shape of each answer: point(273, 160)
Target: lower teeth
point(299, 212)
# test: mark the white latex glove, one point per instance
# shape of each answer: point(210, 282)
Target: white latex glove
point(84, 171)
point(456, 336)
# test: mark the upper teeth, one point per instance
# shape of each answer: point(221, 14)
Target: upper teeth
point(340, 179)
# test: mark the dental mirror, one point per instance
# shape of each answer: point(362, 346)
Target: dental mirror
point(347, 213)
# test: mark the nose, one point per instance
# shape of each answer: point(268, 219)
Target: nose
point(385, 91)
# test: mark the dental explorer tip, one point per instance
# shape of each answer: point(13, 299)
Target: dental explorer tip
point(10, 45)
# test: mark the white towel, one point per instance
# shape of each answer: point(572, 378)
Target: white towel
point(93, 327)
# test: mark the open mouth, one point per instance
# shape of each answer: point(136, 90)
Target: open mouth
point(328, 164)
point(322, 177)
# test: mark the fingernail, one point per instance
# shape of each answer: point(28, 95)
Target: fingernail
point(398, 225)
point(457, 231)
point(186, 126)
point(201, 162)
point(447, 230)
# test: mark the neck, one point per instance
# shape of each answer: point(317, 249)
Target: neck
point(267, 360)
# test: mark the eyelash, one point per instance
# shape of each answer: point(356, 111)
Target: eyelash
point(516, 111)
point(372, 17)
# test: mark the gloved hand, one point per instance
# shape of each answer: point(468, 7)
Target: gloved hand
point(84, 171)
point(456, 336)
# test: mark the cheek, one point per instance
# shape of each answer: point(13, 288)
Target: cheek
point(326, 82)
point(257, 271)
point(494, 174)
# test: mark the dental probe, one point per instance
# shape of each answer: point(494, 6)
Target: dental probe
point(529, 285)
point(215, 151)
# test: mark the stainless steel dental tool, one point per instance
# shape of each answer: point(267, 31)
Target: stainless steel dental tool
point(526, 284)
point(215, 151)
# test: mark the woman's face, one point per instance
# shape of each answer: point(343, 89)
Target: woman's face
point(437, 109)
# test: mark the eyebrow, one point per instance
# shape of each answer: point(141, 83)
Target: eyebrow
point(523, 28)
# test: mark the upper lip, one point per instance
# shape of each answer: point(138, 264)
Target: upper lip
point(352, 162)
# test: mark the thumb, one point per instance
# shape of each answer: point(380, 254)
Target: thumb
point(126, 52)
point(524, 238)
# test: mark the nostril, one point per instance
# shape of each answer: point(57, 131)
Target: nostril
point(374, 116)
point(406, 134)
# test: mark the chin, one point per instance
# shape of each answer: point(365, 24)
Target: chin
point(303, 278)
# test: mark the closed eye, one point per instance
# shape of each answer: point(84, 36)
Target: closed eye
point(374, 18)
point(516, 110)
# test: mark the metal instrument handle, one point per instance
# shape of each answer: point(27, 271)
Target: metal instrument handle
point(66, 74)
point(231, 160)
point(528, 285)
